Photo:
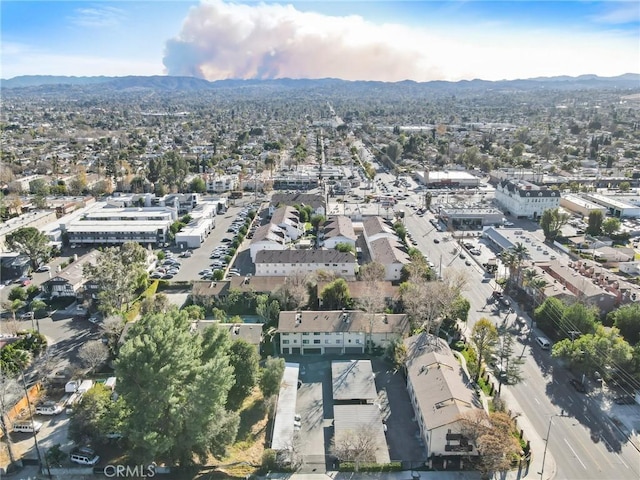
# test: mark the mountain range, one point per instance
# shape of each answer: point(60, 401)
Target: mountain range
point(170, 83)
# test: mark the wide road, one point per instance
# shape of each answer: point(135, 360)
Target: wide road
point(545, 389)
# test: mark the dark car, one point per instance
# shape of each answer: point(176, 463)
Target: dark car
point(435, 240)
point(624, 400)
point(577, 384)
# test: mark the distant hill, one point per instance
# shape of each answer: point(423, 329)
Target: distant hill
point(186, 84)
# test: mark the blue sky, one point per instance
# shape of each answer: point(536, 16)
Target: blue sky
point(366, 39)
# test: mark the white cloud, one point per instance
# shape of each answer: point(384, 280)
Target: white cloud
point(220, 40)
point(618, 13)
point(98, 17)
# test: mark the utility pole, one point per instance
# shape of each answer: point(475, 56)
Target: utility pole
point(546, 441)
point(35, 434)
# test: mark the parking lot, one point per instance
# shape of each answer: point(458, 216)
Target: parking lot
point(315, 407)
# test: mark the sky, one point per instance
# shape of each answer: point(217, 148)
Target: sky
point(392, 40)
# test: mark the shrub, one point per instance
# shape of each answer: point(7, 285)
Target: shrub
point(371, 467)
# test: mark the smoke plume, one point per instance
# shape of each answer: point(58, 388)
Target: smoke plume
point(222, 41)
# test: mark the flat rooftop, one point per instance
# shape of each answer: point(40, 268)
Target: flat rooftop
point(353, 380)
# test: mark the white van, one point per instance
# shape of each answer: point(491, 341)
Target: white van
point(27, 427)
point(49, 409)
point(84, 456)
point(544, 343)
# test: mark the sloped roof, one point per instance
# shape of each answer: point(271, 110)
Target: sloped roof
point(339, 226)
point(442, 390)
point(304, 256)
point(385, 251)
point(342, 321)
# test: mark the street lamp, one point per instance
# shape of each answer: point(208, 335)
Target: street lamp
point(546, 440)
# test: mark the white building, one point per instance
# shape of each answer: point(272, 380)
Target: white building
point(268, 237)
point(338, 230)
point(577, 204)
point(104, 225)
point(615, 207)
point(337, 332)
point(384, 247)
point(222, 183)
point(525, 200)
point(292, 262)
point(202, 223)
point(288, 218)
point(440, 393)
point(447, 178)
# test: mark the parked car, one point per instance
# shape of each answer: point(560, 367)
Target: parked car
point(43, 268)
point(577, 384)
point(624, 400)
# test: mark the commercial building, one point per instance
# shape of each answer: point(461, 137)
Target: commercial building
point(36, 219)
point(580, 205)
point(203, 221)
point(102, 224)
point(523, 199)
point(615, 207)
point(447, 179)
point(471, 218)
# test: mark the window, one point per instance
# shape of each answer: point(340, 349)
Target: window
point(285, 334)
point(338, 341)
point(357, 340)
point(305, 333)
point(305, 342)
point(316, 341)
point(316, 333)
point(285, 342)
point(327, 341)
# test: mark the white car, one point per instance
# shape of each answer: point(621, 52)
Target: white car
point(43, 268)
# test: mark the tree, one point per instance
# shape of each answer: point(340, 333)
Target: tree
point(316, 221)
point(16, 305)
point(244, 359)
point(268, 311)
point(112, 327)
point(497, 446)
point(174, 386)
point(117, 272)
point(10, 393)
point(594, 226)
point(336, 295)
point(372, 272)
point(580, 318)
point(627, 320)
point(292, 294)
point(31, 242)
point(611, 226)
point(197, 185)
point(345, 247)
point(602, 351)
point(93, 354)
point(484, 336)
point(38, 307)
point(271, 376)
point(624, 186)
point(549, 314)
point(158, 303)
point(95, 416)
point(552, 221)
point(55, 456)
point(357, 446)
point(17, 293)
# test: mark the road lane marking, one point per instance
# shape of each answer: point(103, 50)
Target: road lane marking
point(620, 458)
point(575, 454)
point(536, 400)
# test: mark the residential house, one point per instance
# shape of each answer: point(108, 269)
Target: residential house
point(630, 268)
point(70, 281)
point(384, 246)
point(293, 262)
point(249, 332)
point(316, 202)
point(440, 393)
point(288, 218)
point(338, 332)
point(268, 237)
point(337, 230)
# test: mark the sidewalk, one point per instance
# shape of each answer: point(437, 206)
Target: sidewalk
point(537, 443)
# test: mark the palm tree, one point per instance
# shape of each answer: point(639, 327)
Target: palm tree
point(537, 286)
point(513, 259)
